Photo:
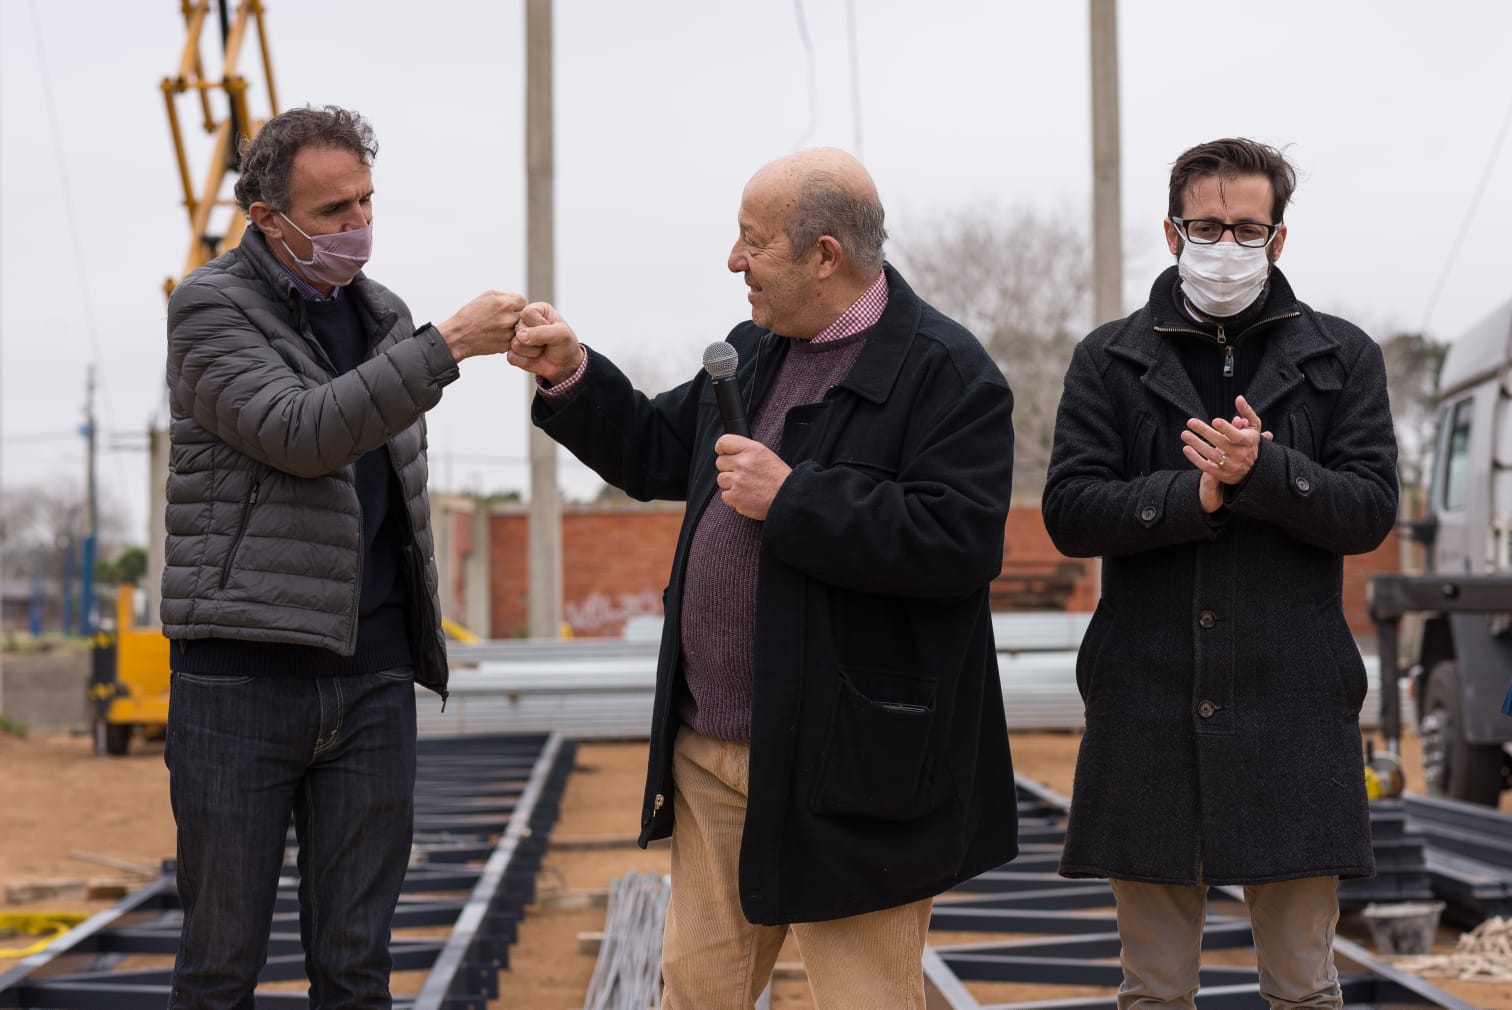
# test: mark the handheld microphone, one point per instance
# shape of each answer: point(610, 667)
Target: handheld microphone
point(719, 360)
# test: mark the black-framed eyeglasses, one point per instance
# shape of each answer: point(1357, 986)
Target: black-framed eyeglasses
point(1206, 231)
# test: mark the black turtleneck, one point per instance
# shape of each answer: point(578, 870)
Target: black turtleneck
point(1221, 356)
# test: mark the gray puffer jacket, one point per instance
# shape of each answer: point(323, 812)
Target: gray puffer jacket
point(264, 526)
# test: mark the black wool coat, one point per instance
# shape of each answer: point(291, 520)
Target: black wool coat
point(1222, 684)
point(879, 764)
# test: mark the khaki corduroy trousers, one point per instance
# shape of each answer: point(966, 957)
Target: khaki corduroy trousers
point(714, 959)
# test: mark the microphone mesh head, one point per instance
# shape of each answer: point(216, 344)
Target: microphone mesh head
point(720, 359)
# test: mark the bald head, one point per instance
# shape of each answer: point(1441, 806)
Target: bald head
point(825, 191)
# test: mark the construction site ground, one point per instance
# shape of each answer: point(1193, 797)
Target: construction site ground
point(73, 819)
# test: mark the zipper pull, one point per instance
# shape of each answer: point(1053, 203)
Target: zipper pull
point(1228, 362)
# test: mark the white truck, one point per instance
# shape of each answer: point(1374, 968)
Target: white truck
point(1460, 660)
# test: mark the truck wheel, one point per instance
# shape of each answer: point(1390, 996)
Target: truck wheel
point(112, 738)
point(1452, 766)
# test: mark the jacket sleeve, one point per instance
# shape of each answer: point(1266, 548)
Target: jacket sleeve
point(1346, 500)
point(639, 444)
point(223, 372)
point(932, 531)
point(1092, 507)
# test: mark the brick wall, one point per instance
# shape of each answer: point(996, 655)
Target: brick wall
point(1357, 568)
point(615, 561)
point(616, 558)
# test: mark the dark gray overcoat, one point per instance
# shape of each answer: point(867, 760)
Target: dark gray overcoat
point(1222, 684)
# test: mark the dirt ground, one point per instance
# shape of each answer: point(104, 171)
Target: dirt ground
point(73, 817)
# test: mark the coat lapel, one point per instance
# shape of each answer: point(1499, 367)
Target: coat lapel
point(1163, 374)
point(1286, 347)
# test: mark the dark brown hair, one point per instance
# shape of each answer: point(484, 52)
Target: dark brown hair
point(1228, 159)
point(268, 159)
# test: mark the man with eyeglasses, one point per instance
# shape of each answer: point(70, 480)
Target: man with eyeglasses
point(1221, 449)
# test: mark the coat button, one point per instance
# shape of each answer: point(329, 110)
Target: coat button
point(1147, 513)
point(1303, 485)
point(1207, 619)
point(1206, 709)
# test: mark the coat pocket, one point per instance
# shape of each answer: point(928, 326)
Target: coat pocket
point(1091, 647)
point(878, 760)
point(248, 504)
point(1300, 434)
point(1139, 451)
point(1352, 682)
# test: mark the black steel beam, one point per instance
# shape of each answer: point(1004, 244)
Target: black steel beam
point(1070, 971)
point(478, 798)
point(1082, 949)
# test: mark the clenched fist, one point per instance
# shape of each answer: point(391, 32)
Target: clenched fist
point(485, 325)
point(544, 344)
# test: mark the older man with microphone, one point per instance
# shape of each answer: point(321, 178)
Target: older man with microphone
point(828, 735)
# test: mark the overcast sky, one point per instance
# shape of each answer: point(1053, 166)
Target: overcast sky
point(1391, 110)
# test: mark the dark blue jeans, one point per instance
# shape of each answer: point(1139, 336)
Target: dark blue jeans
point(243, 754)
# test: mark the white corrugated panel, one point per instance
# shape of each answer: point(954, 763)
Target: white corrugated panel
point(602, 688)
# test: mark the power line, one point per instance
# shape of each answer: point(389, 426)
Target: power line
point(38, 436)
point(124, 440)
point(1459, 240)
point(855, 75)
point(813, 93)
point(481, 457)
point(68, 205)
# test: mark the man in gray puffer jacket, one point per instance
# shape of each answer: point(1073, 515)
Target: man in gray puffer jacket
point(299, 592)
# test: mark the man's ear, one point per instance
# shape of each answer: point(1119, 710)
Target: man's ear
point(1277, 243)
point(830, 255)
point(266, 218)
point(1173, 238)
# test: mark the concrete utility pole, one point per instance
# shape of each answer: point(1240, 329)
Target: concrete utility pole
point(1107, 226)
point(544, 592)
point(157, 511)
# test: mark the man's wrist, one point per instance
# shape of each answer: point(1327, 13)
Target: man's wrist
point(557, 391)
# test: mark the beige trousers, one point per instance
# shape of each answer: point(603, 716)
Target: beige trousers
point(1160, 927)
point(713, 959)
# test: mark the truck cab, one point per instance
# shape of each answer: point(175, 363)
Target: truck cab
point(1462, 661)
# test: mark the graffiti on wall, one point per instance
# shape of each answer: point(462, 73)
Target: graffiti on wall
point(601, 614)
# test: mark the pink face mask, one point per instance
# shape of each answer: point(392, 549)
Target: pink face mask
point(336, 258)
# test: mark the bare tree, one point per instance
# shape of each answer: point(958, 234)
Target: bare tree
point(1413, 362)
point(1021, 281)
point(41, 523)
point(655, 368)
point(37, 516)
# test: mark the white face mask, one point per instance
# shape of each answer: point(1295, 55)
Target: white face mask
point(1222, 279)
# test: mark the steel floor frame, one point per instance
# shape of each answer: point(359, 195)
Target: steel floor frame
point(1081, 945)
point(484, 807)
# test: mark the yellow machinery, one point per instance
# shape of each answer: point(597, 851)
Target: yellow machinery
point(129, 681)
point(129, 684)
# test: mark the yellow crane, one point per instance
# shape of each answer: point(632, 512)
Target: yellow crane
point(236, 123)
